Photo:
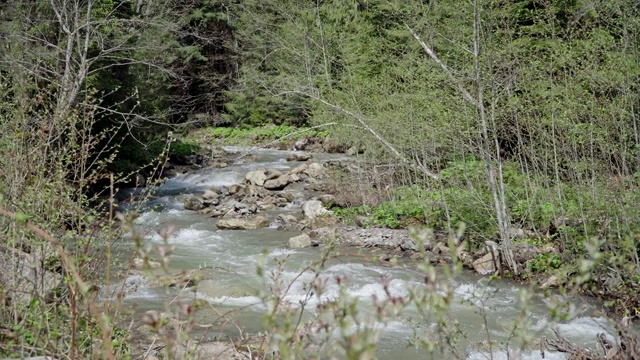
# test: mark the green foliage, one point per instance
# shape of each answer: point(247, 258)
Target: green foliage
point(255, 135)
point(544, 263)
point(183, 149)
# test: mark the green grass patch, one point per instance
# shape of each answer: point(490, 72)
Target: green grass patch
point(254, 135)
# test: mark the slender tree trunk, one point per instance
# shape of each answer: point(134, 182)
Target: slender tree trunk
point(494, 166)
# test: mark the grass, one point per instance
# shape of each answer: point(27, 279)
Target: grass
point(253, 135)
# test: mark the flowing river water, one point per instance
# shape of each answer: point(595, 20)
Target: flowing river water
point(230, 258)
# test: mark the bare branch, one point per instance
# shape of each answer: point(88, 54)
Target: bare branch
point(465, 94)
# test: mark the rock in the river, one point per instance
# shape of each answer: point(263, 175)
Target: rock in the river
point(273, 174)
point(235, 188)
point(245, 223)
point(300, 241)
point(351, 151)
point(299, 157)
point(489, 263)
point(280, 183)
point(300, 169)
point(246, 159)
point(193, 203)
point(313, 208)
point(218, 164)
point(211, 194)
point(256, 177)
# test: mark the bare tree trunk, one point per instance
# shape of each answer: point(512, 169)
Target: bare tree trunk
point(494, 165)
point(496, 182)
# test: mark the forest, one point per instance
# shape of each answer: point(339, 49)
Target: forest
point(519, 119)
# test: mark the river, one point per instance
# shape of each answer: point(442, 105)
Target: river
point(484, 309)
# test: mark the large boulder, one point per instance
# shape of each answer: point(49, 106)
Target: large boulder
point(300, 241)
point(244, 223)
point(256, 177)
point(210, 197)
point(489, 263)
point(28, 275)
point(281, 182)
point(321, 221)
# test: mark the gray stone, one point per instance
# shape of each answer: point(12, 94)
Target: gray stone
point(408, 246)
point(236, 188)
point(351, 151)
point(256, 177)
point(193, 203)
point(313, 208)
point(301, 144)
point(300, 241)
point(327, 199)
point(327, 219)
point(300, 169)
point(489, 263)
point(316, 171)
point(299, 157)
point(24, 275)
point(273, 174)
point(279, 183)
point(210, 194)
point(245, 223)
point(285, 221)
point(552, 281)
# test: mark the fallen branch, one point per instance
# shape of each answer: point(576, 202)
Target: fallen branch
point(627, 349)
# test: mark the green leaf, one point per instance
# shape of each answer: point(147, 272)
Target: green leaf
point(21, 218)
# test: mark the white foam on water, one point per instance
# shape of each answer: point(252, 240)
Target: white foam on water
point(295, 204)
point(281, 252)
point(133, 286)
point(149, 217)
point(240, 301)
point(586, 329)
point(208, 178)
point(188, 236)
point(523, 355)
point(396, 288)
point(178, 210)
